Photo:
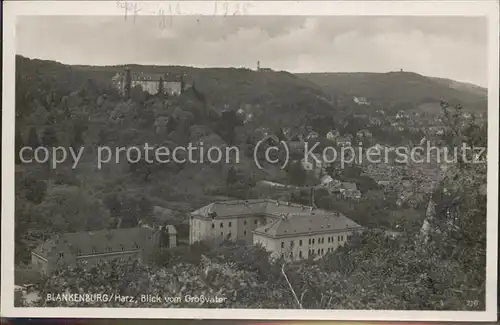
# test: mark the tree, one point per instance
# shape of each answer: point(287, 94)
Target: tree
point(296, 174)
point(33, 140)
point(71, 209)
point(232, 176)
point(79, 127)
point(49, 137)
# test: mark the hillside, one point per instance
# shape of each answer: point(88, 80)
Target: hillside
point(271, 94)
point(401, 90)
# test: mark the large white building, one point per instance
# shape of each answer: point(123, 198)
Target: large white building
point(291, 230)
point(153, 83)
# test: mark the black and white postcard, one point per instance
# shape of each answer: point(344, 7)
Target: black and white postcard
point(304, 160)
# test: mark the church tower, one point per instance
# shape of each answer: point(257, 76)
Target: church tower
point(258, 65)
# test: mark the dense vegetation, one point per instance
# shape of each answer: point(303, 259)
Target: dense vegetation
point(59, 105)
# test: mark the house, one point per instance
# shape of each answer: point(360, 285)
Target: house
point(315, 164)
point(361, 100)
point(296, 146)
point(344, 141)
point(312, 135)
point(285, 229)
point(152, 83)
point(349, 190)
point(332, 135)
point(325, 180)
point(361, 134)
point(352, 194)
point(375, 121)
point(86, 248)
point(402, 115)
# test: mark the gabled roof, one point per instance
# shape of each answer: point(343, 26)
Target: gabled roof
point(246, 207)
point(292, 218)
point(86, 243)
point(304, 223)
point(349, 186)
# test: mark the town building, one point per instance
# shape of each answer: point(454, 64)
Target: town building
point(362, 134)
point(344, 141)
point(283, 228)
point(152, 83)
point(332, 135)
point(361, 100)
point(87, 248)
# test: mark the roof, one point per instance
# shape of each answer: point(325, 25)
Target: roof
point(162, 214)
point(299, 218)
point(155, 77)
point(220, 209)
point(304, 223)
point(349, 186)
point(96, 241)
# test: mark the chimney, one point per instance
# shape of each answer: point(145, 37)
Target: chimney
point(313, 203)
point(128, 82)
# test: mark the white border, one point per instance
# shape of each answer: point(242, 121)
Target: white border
point(457, 8)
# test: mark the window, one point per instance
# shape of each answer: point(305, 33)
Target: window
point(300, 242)
point(108, 249)
point(282, 255)
point(221, 225)
point(245, 233)
point(229, 223)
point(291, 243)
point(291, 254)
point(255, 221)
point(313, 241)
point(61, 255)
point(322, 251)
point(282, 244)
point(300, 253)
point(245, 222)
point(222, 234)
point(229, 236)
point(213, 226)
point(328, 239)
point(309, 241)
point(338, 237)
point(319, 251)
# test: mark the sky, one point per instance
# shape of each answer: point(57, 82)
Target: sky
point(448, 47)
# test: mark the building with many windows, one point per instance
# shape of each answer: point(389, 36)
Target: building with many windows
point(88, 247)
point(152, 83)
point(291, 230)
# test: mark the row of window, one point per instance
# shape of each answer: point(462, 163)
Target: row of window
point(291, 254)
point(312, 252)
point(94, 251)
point(221, 225)
point(312, 241)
